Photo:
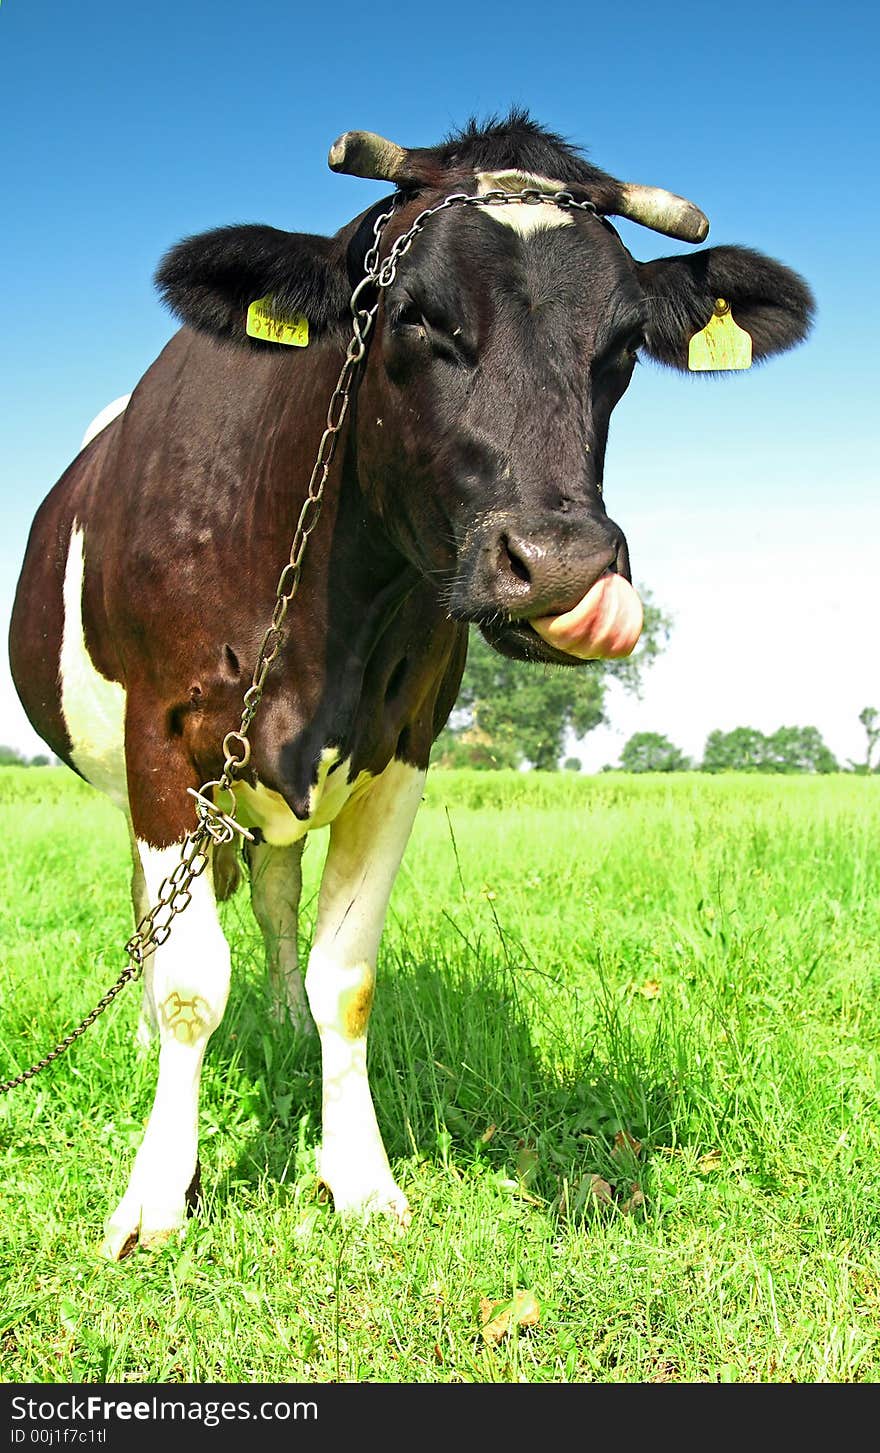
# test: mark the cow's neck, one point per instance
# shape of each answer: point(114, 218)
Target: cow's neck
point(351, 622)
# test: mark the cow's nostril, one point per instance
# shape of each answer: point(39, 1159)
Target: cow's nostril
point(515, 562)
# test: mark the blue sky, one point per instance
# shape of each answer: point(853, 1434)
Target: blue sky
point(750, 503)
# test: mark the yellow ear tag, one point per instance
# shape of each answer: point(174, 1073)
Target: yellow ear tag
point(721, 345)
point(263, 323)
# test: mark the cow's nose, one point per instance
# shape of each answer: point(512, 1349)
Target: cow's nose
point(533, 572)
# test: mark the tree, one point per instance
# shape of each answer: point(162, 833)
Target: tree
point(522, 712)
point(572, 764)
point(870, 720)
point(742, 750)
point(652, 752)
point(799, 749)
point(472, 749)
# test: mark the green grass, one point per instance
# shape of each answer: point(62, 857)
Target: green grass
point(691, 961)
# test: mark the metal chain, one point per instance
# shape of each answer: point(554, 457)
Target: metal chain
point(214, 824)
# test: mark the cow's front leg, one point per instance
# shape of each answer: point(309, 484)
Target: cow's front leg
point(190, 987)
point(367, 840)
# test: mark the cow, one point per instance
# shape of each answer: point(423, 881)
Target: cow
point(467, 489)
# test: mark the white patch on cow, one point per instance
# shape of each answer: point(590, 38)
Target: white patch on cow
point(190, 987)
point(266, 809)
point(93, 707)
point(524, 217)
point(276, 883)
point(366, 845)
point(106, 416)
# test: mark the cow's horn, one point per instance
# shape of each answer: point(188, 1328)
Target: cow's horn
point(662, 212)
point(364, 154)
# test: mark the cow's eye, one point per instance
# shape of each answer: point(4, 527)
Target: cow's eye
point(620, 355)
point(409, 317)
point(413, 328)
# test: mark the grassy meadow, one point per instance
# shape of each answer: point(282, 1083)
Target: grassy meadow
point(625, 1056)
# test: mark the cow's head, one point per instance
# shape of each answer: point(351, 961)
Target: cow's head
point(503, 344)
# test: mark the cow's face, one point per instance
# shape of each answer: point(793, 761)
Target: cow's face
point(504, 343)
point(500, 350)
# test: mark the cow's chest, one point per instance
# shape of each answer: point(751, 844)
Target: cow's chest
point(262, 807)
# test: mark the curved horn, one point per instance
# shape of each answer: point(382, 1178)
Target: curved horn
point(364, 154)
point(662, 212)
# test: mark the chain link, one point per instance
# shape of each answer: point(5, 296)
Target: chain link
point(216, 826)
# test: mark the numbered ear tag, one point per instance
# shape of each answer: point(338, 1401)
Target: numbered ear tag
point(263, 323)
point(722, 345)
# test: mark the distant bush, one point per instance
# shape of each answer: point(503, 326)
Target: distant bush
point(12, 757)
point(652, 752)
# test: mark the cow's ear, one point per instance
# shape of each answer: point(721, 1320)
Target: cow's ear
point(210, 280)
point(770, 301)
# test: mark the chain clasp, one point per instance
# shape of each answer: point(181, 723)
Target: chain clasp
point(217, 824)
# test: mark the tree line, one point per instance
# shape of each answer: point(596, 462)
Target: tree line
point(745, 749)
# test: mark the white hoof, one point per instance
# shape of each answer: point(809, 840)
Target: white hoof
point(137, 1222)
point(361, 1197)
point(148, 1226)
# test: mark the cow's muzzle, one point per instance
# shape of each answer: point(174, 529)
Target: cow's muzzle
point(522, 569)
point(552, 593)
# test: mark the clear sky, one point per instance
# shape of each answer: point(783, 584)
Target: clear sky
point(750, 503)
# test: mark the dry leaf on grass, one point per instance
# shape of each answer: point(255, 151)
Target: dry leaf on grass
point(636, 1199)
point(597, 1188)
point(487, 1134)
point(626, 1144)
point(584, 1197)
point(499, 1318)
point(710, 1161)
point(650, 989)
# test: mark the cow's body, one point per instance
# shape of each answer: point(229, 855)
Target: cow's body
point(171, 526)
point(151, 571)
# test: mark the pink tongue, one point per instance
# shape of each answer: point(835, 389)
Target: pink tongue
point(605, 624)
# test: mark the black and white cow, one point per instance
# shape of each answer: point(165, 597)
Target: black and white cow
point(468, 489)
